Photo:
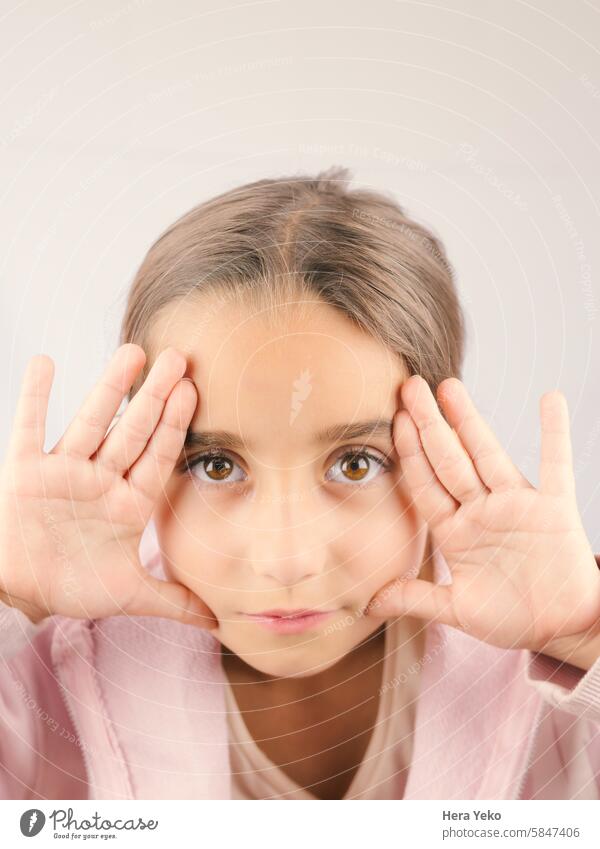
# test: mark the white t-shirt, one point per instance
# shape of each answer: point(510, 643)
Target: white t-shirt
point(384, 768)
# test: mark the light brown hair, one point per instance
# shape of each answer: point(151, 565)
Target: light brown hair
point(297, 237)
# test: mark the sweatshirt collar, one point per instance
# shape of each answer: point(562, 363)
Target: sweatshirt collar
point(476, 715)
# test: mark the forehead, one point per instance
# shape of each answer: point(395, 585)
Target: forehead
point(305, 362)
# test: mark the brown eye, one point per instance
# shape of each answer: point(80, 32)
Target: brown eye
point(358, 467)
point(355, 466)
point(214, 468)
point(218, 468)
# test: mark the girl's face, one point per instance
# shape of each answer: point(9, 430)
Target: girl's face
point(289, 512)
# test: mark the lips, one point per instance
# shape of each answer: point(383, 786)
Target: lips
point(281, 612)
point(289, 621)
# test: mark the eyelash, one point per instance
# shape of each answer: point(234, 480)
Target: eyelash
point(382, 461)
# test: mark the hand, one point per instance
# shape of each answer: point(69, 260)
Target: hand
point(71, 519)
point(581, 649)
point(523, 572)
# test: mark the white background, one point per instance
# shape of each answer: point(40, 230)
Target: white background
point(117, 117)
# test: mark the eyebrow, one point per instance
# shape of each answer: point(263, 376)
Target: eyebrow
point(206, 439)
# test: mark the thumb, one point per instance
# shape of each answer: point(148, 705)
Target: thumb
point(172, 600)
point(419, 598)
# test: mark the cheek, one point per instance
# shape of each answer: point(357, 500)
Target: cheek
point(372, 538)
point(384, 543)
point(191, 544)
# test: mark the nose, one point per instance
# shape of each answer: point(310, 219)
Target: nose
point(285, 543)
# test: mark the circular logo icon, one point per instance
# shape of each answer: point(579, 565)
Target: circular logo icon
point(32, 822)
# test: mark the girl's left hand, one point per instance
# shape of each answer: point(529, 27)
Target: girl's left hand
point(523, 572)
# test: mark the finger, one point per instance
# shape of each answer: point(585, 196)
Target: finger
point(556, 465)
point(493, 464)
point(433, 501)
point(61, 476)
point(29, 426)
point(171, 600)
point(446, 455)
point(129, 437)
point(88, 428)
point(149, 474)
point(419, 598)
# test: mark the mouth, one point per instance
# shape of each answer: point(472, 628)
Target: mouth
point(289, 621)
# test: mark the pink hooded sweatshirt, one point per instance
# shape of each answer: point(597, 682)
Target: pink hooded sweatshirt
point(134, 708)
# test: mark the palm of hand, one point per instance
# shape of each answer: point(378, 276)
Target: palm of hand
point(71, 519)
point(88, 541)
point(522, 569)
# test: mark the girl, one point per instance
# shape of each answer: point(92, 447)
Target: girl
point(187, 586)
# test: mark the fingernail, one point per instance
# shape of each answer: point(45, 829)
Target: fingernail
point(380, 604)
point(373, 605)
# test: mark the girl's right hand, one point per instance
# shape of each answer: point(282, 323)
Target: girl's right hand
point(71, 519)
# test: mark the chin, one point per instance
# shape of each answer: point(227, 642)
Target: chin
point(278, 660)
point(287, 666)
